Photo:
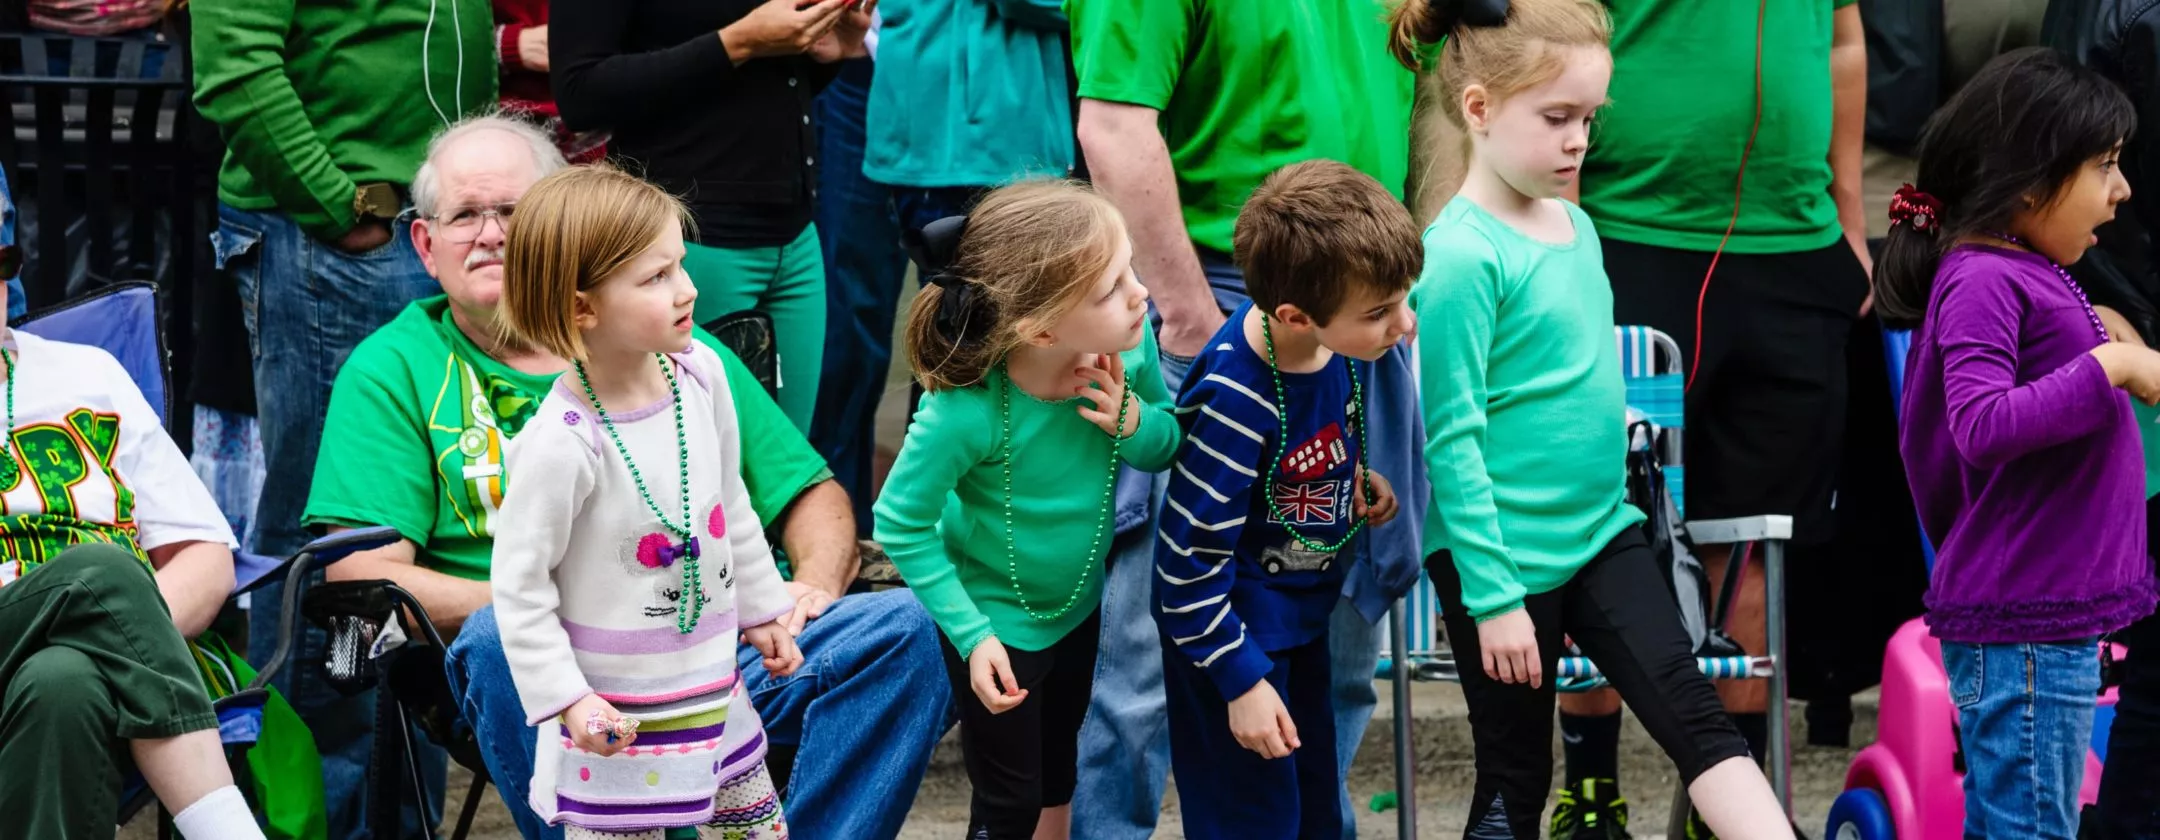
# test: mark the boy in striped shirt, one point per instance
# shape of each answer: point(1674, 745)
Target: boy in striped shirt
point(1269, 495)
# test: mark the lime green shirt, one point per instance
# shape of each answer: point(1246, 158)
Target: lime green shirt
point(314, 98)
point(1525, 407)
point(1246, 89)
point(1666, 151)
point(943, 515)
point(417, 424)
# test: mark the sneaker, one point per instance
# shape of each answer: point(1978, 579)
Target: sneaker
point(1593, 810)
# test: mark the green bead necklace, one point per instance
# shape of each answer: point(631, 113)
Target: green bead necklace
point(1012, 551)
point(690, 606)
point(1357, 398)
point(9, 470)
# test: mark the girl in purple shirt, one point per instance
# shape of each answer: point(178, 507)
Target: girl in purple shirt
point(2018, 440)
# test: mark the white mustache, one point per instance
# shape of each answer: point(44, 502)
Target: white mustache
point(480, 255)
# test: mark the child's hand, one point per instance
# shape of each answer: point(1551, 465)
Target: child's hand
point(778, 645)
point(990, 674)
point(1261, 722)
point(1383, 506)
point(1509, 643)
point(598, 743)
point(2134, 368)
point(1108, 375)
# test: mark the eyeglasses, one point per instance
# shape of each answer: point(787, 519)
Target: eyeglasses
point(11, 257)
point(464, 226)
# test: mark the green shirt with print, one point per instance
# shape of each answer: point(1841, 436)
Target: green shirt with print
point(1665, 151)
point(1247, 89)
point(419, 418)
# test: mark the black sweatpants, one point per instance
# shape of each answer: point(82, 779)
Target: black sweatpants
point(1026, 759)
point(1621, 614)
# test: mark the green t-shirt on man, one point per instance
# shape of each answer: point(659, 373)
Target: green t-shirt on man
point(1665, 153)
point(1247, 89)
point(417, 424)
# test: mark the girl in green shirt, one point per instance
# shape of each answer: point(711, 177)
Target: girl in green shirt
point(1525, 415)
point(1032, 343)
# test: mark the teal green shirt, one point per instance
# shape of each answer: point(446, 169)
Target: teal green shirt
point(1525, 408)
point(969, 93)
point(942, 516)
point(1248, 88)
point(2148, 419)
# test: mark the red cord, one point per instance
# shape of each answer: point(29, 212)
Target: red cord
point(1739, 179)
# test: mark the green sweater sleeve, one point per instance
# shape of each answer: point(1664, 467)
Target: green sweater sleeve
point(1153, 446)
point(1457, 301)
point(240, 84)
point(952, 432)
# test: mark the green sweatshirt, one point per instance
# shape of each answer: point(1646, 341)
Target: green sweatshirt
point(1525, 408)
point(315, 98)
point(942, 515)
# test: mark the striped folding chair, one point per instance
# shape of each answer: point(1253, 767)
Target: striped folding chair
point(1656, 387)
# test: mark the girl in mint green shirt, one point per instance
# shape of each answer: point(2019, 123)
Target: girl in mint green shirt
point(1525, 415)
point(1032, 343)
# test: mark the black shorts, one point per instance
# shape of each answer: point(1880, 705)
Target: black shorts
point(1766, 410)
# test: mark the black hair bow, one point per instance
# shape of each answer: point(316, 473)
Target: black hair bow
point(961, 315)
point(1454, 13)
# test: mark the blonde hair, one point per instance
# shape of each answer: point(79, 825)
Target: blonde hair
point(574, 229)
point(1528, 50)
point(1030, 252)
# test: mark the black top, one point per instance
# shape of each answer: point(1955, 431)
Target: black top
point(736, 142)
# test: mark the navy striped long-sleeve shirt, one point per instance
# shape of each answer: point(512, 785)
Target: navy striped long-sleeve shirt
point(1231, 583)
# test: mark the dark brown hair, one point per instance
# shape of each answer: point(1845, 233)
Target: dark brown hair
point(1317, 229)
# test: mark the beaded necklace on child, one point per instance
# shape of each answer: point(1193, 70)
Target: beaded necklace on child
point(1005, 451)
point(1357, 398)
point(2076, 290)
point(690, 605)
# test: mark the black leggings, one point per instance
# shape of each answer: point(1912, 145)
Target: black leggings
point(1623, 617)
point(1026, 759)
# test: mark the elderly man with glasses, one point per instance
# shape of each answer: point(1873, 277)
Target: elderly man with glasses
point(414, 440)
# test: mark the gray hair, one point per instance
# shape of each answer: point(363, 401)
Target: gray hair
point(427, 183)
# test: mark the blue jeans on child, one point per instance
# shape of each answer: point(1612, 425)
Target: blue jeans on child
point(2025, 719)
point(1124, 744)
point(864, 269)
point(306, 305)
point(870, 658)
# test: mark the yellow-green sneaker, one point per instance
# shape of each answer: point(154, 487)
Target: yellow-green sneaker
point(1592, 810)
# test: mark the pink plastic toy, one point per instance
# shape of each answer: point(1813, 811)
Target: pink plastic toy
point(1909, 784)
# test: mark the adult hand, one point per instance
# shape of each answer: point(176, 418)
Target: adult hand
point(1509, 645)
point(780, 28)
point(1185, 332)
point(532, 48)
point(367, 235)
point(810, 602)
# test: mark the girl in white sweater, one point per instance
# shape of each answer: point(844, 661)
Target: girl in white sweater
point(627, 556)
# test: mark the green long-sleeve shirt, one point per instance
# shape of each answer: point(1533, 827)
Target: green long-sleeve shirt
point(941, 516)
point(314, 98)
point(1525, 408)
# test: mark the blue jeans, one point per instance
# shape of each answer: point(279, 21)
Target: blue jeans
point(864, 269)
point(306, 306)
point(1124, 745)
point(2025, 716)
point(864, 711)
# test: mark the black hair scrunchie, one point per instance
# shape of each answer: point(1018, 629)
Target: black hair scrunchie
point(963, 316)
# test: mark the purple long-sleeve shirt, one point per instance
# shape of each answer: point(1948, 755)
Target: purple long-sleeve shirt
point(2025, 462)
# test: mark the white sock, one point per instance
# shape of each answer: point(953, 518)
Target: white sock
point(221, 815)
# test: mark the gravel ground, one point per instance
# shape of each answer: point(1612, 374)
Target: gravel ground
point(1442, 738)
